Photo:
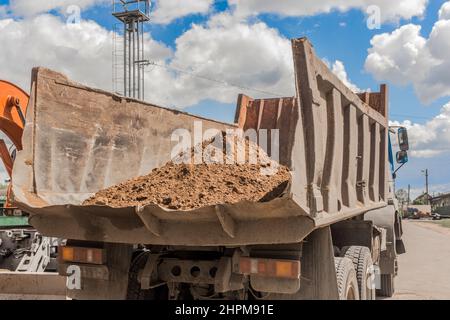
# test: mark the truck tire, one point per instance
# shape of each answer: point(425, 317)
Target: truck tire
point(134, 291)
point(365, 272)
point(387, 285)
point(346, 279)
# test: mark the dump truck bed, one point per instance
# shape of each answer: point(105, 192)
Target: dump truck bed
point(79, 140)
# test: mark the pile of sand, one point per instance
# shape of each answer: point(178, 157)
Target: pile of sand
point(187, 186)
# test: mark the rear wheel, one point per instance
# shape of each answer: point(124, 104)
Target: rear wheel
point(365, 272)
point(346, 279)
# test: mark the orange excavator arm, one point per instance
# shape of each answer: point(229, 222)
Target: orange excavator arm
point(13, 108)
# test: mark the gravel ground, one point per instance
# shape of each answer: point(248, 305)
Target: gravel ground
point(425, 268)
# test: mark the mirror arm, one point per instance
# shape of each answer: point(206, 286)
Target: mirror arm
point(395, 172)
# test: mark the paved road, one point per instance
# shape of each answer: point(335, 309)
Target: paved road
point(425, 269)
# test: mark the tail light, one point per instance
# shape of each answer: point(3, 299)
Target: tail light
point(289, 269)
point(82, 255)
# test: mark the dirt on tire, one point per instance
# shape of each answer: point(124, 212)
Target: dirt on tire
point(188, 186)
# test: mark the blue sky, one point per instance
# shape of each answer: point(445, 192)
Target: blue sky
point(336, 35)
point(333, 42)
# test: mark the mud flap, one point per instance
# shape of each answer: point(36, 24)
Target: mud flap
point(400, 247)
point(318, 277)
point(386, 218)
point(106, 282)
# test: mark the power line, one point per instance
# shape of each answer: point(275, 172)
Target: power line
point(416, 117)
point(223, 82)
point(410, 116)
point(230, 84)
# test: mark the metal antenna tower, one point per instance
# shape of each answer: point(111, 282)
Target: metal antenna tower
point(128, 47)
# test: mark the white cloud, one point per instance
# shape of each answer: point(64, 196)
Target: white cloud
point(234, 52)
point(405, 57)
point(82, 51)
point(338, 69)
point(34, 7)
point(444, 12)
point(168, 10)
point(397, 55)
point(431, 138)
point(390, 10)
point(227, 49)
point(230, 51)
point(224, 49)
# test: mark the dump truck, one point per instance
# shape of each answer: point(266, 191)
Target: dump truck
point(333, 230)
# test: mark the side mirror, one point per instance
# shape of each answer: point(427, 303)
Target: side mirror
point(403, 142)
point(402, 157)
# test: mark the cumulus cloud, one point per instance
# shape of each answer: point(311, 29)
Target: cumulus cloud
point(224, 50)
point(431, 138)
point(217, 60)
point(444, 12)
point(406, 57)
point(82, 51)
point(390, 10)
point(167, 11)
point(338, 69)
point(240, 57)
point(232, 53)
point(398, 55)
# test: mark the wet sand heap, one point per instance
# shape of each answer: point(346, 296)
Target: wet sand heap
point(220, 178)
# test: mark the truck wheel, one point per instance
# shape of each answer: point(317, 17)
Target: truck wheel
point(387, 285)
point(365, 272)
point(346, 279)
point(134, 291)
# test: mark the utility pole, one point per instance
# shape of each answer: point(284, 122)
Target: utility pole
point(128, 49)
point(409, 192)
point(426, 185)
